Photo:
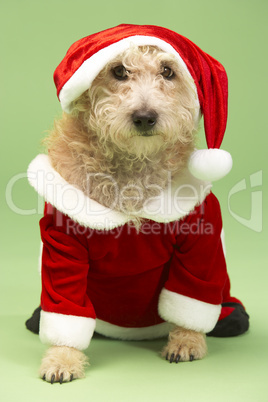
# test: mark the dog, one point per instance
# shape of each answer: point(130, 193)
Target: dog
point(126, 139)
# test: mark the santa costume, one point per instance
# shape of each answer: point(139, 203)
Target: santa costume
point(98, 272)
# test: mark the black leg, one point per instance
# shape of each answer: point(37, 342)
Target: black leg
point(32, 324)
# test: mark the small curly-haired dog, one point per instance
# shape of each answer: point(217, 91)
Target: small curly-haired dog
point(125, 137)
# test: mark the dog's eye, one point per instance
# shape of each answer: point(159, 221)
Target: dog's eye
point(120, 73)
point(167, 73)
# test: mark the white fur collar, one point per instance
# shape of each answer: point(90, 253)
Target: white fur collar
point(175, 202)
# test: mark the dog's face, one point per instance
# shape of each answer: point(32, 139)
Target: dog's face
point(141, 102)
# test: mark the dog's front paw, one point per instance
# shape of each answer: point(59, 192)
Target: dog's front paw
point(63, 364)
point(185, 345)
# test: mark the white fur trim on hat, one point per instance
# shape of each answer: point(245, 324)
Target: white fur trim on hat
point(66, 330)
point(83, 77)
point(210, 164)
point(187, 312)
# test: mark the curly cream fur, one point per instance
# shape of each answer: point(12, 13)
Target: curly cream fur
point(184, 345)
point(97, 147)
point(62, 363)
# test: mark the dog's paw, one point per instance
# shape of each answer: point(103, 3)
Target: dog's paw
point(185, 345)
point(63, 364)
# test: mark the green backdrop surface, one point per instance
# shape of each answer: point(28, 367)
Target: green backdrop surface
point(34, 37)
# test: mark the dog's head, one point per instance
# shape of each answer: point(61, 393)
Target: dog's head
point(141, 103)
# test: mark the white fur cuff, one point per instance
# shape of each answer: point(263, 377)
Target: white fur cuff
point(187, 312)
point(66, 330)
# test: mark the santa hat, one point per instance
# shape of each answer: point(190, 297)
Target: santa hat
point(88, 56)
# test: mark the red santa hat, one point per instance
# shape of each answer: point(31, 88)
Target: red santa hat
point(88, 56)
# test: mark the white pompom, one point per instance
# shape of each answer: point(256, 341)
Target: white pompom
point(210, 164)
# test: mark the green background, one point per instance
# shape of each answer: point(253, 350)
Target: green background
point(34, 38)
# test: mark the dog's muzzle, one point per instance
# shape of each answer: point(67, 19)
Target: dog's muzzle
point(144, 121)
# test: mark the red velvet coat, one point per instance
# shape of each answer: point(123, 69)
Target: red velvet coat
point(133, 283)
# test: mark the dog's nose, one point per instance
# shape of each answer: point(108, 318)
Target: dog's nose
point(144, 121)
